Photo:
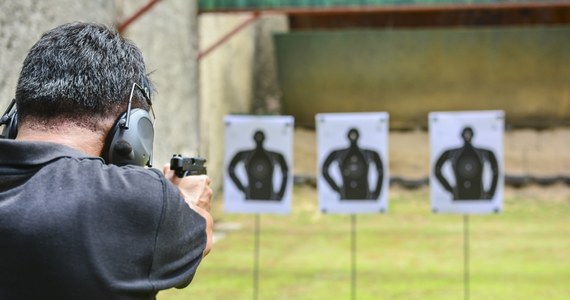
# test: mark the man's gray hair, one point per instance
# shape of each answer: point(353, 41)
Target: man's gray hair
point(81, 72)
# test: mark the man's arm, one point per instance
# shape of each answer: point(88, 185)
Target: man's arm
point(197, 193)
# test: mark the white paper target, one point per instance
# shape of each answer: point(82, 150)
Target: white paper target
point(258, 162)
point(466, 161)
point(352, 162)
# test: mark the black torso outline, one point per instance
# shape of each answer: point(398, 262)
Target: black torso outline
point(260, 167)
point(354, 165)
point(468, 163)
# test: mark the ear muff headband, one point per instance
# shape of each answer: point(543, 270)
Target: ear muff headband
point(10, 121)
point(130, 140)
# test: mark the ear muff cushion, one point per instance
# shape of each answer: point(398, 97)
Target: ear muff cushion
point(132, 146)
point(10, 131)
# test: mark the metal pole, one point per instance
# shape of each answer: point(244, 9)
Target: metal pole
point(254, 16)
point(256, 259)
point(199, 146)
point(317, 11)
point(466, 256)
point(353, 256)
point(141, 11)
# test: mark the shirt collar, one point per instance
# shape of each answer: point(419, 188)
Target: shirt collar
point(15, 152)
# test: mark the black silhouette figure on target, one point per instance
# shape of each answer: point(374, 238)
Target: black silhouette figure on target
point(354, 164)
point(468, 164)
point(260, 168)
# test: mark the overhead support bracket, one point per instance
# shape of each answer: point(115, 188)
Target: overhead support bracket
point(141, 11)
point(251, 19)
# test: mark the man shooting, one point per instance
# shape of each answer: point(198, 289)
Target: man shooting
point(80, 215)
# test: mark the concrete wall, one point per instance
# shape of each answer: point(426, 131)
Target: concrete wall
point(266, 91)
point(522, 70)
point(194, 96)
point(225, 80)
point(234, 76)
point(22, 22)
point(167, 35)
point(189, 106)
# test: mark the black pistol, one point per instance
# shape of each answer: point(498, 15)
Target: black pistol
point(187, 166)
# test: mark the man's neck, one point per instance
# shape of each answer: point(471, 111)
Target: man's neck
point(85, 140)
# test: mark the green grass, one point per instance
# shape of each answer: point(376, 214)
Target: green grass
point(409, 253)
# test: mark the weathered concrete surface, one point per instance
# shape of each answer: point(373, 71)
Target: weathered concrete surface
point(266, 90)
point(189, 110)
point(23, 21)
point(238, 77)
point(411, 72)
point(225, 80)
point(167, 35)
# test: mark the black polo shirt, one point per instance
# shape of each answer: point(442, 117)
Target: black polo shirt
point(72, 227)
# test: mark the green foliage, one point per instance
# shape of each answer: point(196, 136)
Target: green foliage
point(408, 253)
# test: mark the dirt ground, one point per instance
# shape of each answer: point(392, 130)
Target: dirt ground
point(541, 153)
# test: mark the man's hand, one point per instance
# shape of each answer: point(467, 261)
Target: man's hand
point(197, 193)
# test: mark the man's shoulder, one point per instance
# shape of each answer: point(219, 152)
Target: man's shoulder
point(110, 180)
point(96, 166)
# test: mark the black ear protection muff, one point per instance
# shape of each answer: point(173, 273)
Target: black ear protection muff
point(130, 140)
point(128, 143)
point(10, 122)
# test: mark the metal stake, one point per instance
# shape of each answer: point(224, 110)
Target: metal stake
point(353, 256)
point(256, 259)
point(466, 256)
